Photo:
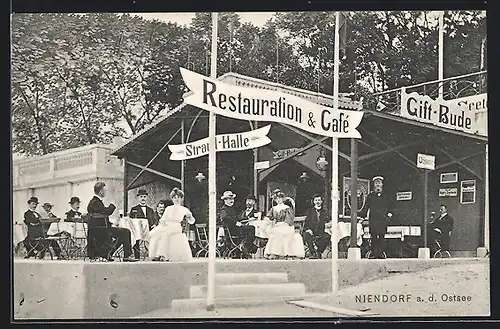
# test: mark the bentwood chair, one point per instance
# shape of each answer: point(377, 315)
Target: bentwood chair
point(201, 241)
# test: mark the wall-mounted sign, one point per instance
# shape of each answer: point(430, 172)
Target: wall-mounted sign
point(261, 165)
point(448, 192)
point(285, 152)
point(449, 177)
point(253, 104)
point(228, 142)
point(404, 196)
point(426, 161)
point(362, 193)
point(457, 114)
point(467, 191)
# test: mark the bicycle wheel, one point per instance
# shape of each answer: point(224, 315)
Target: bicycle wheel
point(438, 254)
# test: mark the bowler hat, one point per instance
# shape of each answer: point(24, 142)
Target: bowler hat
point(142, 192)
point(276, 191)
point(228, 195)
point(46, 204)
point(74, 199)
point(251, 197)
point(33, 199)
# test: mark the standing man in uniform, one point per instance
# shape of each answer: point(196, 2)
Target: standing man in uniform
point(443, 226)
point(142, 211)
point(379, 212)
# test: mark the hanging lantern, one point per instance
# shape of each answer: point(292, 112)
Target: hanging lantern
point(321, 162)
point(304, 176)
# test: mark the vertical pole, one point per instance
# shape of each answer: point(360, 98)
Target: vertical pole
point(486, 204)
point(125, 187)
point(212, 180)
point(354, 194)
point(426, 174)
point(335, 160)
point(255, 172)
point(183, 163)
point(441, 54)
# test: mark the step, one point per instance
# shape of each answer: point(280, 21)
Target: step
point(188, 305)
point(250, 278)
point(251, 290)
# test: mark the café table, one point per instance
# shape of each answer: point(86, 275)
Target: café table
point(75, 229)
point(139, 228)
point(344, 230)
point(20, 233)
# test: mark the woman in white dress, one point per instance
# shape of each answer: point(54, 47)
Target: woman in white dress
point(283, 241)
point(166, 241)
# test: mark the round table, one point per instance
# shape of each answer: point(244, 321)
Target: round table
point(77, 230)
point(344, 230)
point(139, 227)
point(20, 233)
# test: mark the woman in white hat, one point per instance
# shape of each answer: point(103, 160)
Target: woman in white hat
point(283, 241)
point(166, 241)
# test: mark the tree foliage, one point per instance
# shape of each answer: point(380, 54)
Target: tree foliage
point(82, 79)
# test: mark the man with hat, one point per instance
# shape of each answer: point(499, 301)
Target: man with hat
point(142, 211)
point(247, 231)
point(35, 231)
point(273, 196)
point(74, 213)
point(379, 211)
point(48, 210)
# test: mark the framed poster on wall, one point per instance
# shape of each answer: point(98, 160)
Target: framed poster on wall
point(467, 191)
point(448, 178)
point(363, 191)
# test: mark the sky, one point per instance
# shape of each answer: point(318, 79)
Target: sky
point(256, 18)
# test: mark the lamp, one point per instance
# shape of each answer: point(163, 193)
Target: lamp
point(321, 161)
point(200, 177)
point(304, 177)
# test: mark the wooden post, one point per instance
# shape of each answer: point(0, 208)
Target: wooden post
point(255, 172)
point(125, 187)
point(212, 188)
point(335, 161)
point(426, 174)
point(183, 163)
point(354, 194)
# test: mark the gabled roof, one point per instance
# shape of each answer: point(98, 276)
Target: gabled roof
point(250, 82)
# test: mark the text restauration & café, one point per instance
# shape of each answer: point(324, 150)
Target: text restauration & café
point(329, 120)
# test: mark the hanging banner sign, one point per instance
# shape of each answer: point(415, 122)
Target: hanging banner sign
point(228, 142)
point(268, 105)
point(285, 152)
point(456, 114)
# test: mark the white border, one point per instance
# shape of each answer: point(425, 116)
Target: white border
point(461, 191)
point(448, 182)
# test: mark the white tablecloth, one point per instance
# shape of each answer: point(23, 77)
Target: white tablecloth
point(20, 232)
point(261, 228)
point(397, 232)
point(139, 227)
point(344, 230)
point(77, 230)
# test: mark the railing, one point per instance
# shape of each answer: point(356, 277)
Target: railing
point(64, 164)
point(455, 87)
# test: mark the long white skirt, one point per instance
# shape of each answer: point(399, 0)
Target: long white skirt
point(167, 240)
point(284, 241)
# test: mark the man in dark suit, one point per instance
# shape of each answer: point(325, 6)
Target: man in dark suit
point(443, 226)
point(99, 216)
point(245, 231)
point(142, 211)
point(379, 211)
point(314, 227)
point(74, 214)
point(35, 231)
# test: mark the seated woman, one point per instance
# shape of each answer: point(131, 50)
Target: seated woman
point(283, 242)
point(166, 241)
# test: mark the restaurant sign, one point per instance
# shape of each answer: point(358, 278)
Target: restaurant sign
point(269, 105)
point(457, 114)
point(228, 142)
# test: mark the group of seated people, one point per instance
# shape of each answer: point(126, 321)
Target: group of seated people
point(278, 226)
point(35, 230)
